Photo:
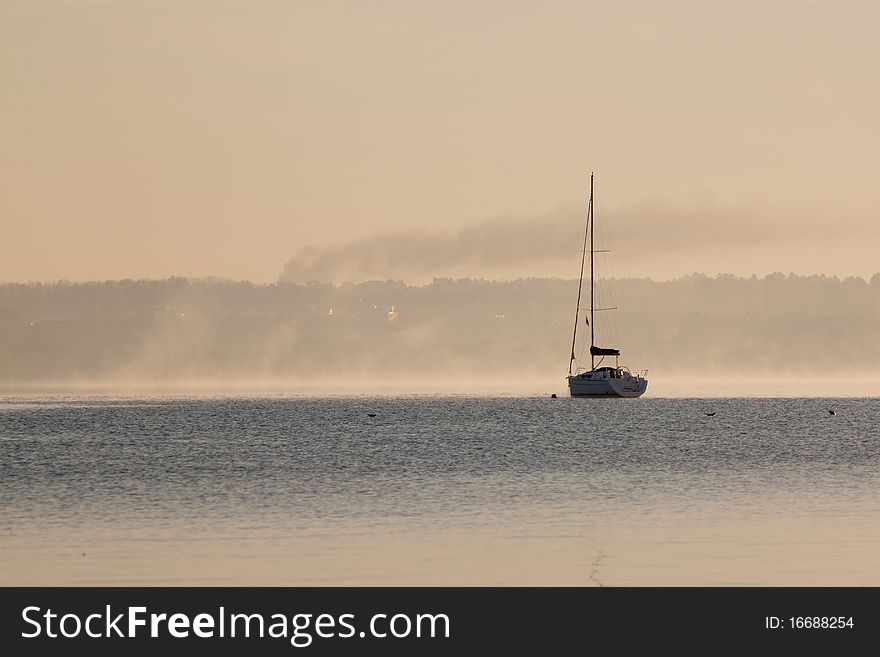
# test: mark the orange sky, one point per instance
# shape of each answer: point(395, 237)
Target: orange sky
point(157, 138)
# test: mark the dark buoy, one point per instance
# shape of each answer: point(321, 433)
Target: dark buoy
point(711, 414)
point(371, 414)
point(831, 411)
point(553, 396)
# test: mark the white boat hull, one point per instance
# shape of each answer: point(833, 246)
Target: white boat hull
point(607, 387)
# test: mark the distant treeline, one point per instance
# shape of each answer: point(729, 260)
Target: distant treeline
point(212, 328)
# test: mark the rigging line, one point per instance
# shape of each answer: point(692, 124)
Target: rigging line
point(577, 310)
point(614, 283)
point(609, 332)
point(592, 284)
point(599, 276)
point(607, 279)
point(620, 326)
point(623, 290)
point(596, 272)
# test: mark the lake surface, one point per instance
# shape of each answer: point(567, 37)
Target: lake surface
point(439, 490)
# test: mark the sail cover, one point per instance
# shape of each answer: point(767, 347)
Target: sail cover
point(600, 351)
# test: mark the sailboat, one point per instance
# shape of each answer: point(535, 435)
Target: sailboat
point(600, 380)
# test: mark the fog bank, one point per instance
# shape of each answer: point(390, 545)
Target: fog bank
point(448, 336)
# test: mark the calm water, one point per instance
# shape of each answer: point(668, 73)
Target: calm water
point(439, 490)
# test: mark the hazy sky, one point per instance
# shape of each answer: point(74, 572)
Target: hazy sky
point(154, 138)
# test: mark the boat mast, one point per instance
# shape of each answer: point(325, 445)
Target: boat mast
point(577, 310)
point(592, 321)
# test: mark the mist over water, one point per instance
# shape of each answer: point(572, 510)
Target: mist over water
point(438, 490)
point(699, 335)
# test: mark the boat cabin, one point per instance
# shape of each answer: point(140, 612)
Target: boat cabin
point(604, 373)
